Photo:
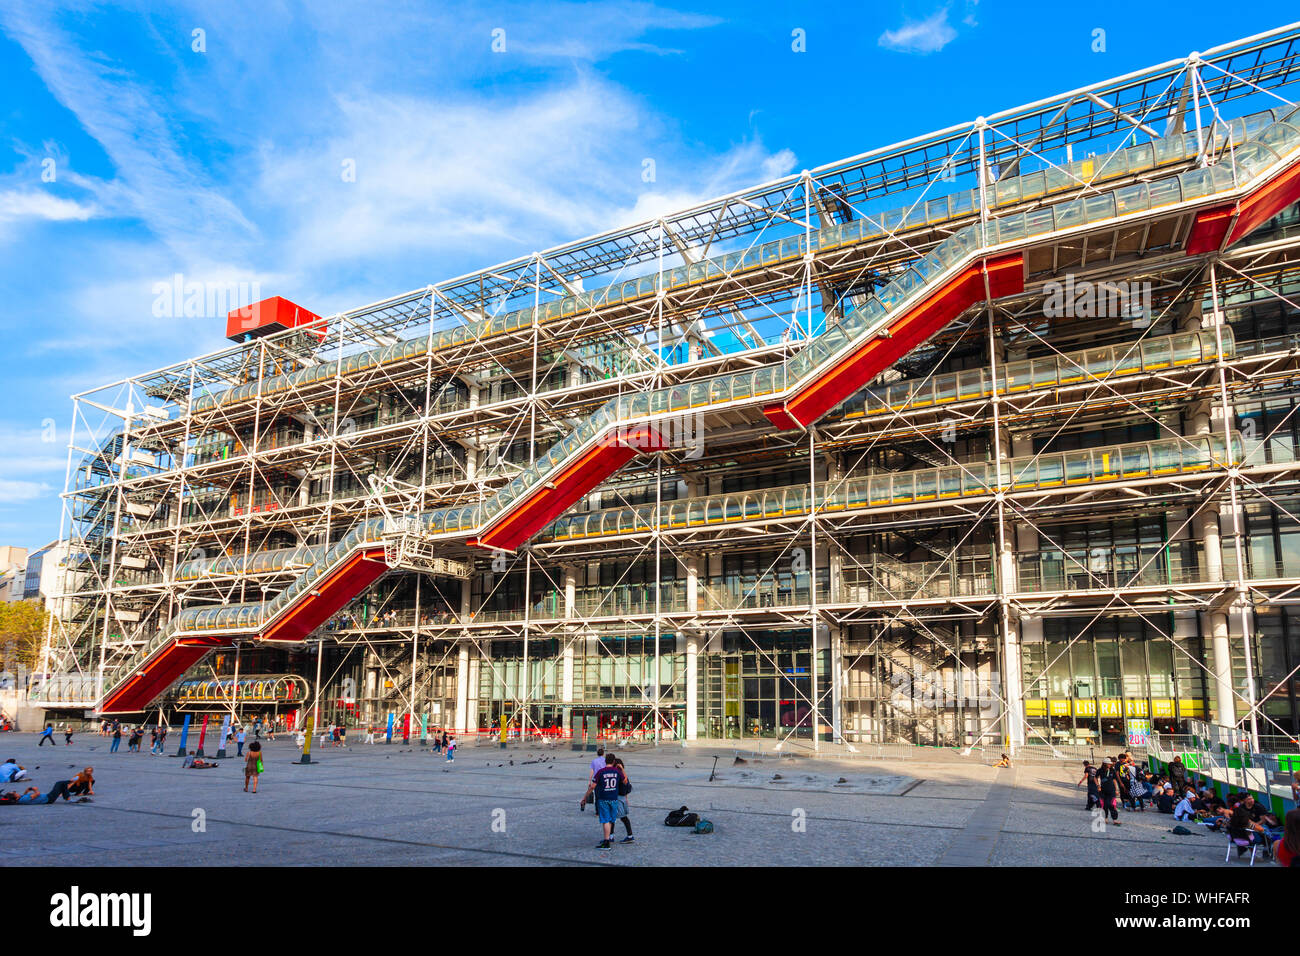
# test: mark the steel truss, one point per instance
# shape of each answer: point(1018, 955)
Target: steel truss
point(246, 456)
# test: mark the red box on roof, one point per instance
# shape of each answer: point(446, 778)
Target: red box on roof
point(270, 315)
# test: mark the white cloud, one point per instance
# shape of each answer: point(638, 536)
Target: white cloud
point(594, 32)
point(34, 455)
point(17, 492)
point(33, 204)
point(920, 36)
point(162, 187)
point(462, 175)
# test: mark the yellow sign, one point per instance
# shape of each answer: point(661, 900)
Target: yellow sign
point(1059, 708)
point(1112, 707)
point(1162, 707)
point(1085, 708)
point(1135, 708)
point(1035, 708)
point(1191, 708)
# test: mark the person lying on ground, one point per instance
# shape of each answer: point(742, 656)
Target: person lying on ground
point(60, 789)
point(192, 762)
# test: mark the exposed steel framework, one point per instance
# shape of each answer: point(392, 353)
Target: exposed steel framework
point(733, 383)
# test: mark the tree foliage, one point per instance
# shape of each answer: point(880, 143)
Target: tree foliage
point(22, 632)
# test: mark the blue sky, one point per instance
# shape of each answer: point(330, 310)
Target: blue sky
point(226, 164)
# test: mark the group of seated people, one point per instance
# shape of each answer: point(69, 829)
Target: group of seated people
point(82, 786)
point(1240, 814)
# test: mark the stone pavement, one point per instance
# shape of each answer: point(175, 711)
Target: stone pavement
point(390, 805)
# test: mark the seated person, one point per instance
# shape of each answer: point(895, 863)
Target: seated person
point(1245, 831)
point(1286, 851)
point(1165, 800)
point(9, 770)
point(1267, 822)
point(1004, 762)
point(1184, 810)
point(83, 784)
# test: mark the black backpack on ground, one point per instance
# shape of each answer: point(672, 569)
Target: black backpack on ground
point(681, 818)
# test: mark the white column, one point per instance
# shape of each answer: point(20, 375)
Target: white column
point(566, 673)
point(462, 722)
point(692, 681)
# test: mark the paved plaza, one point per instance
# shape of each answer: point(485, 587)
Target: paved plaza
point(394, 805)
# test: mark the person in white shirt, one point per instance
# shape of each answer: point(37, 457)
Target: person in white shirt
point(1184, 809)
point(597, 764)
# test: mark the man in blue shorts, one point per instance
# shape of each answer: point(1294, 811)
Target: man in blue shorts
point(604, 787)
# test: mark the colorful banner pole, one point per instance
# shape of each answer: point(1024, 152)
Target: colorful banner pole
point(388, 734)
point(225, 734)
point(203, 732)
point(185, 735)
point(306, 746)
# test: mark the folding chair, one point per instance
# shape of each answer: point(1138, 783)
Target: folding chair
point(1242, 844)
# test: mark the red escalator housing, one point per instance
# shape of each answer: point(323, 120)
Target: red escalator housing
point(548, 501)
point(159, 671)
point(1221, 226)
point(1266, 202)
point(314, 607)
point(1006, 276)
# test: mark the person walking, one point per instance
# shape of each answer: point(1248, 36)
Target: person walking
point(117, 737)
point(253, 765)
point(624, 788)
point(1090, 777)
point(451, 748)
point(47, 734)
point(1108, 783)
point(239, 742)
point(67, 735)
point(604, 788)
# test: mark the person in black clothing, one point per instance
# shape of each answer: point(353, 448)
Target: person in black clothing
point(1178, 775)
point(1165, 800)
point(1090, 776)
point(1108, 782)
point(60, 789)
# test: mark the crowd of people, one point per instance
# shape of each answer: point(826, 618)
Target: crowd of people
point(1120, 781)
